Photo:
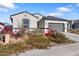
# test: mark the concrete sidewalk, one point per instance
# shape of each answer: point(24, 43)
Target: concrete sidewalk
point(72, 36)
point(63, 50)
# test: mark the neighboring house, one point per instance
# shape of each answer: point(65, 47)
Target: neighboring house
point(75, 24)
point(37, 21)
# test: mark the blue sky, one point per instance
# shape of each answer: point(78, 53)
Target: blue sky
point(68, 11)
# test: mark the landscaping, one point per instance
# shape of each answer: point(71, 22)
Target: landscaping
point(76, 31)
point(31, 40)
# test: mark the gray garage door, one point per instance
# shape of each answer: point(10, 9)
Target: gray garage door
point(57, 26)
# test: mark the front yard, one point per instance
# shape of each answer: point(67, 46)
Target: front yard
point(76, 31)
point(29, 41)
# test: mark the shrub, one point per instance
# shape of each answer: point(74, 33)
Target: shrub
point(76, 31)
point(61, 38)
point(34, 41)
point(50, 33)
point(9, 49)
point(20, 33)
point(38, 41)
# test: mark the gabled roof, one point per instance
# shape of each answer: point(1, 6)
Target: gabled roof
point(54, 18)
point(23, 12)
point(44, 17)
point(38, 14)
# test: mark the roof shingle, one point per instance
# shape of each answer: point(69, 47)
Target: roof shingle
point(54, 18)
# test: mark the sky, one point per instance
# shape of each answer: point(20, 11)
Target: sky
point(68, 11)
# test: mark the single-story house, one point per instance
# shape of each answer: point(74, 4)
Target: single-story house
point(59, 24)
point(37, 21)
point(75, 24)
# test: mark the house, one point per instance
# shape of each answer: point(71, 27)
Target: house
point(59, 24)
point(37, 21)
point(25, 19)
point(75, 24)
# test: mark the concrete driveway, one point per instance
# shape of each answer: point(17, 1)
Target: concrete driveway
point(63, 50)
point(72, 36)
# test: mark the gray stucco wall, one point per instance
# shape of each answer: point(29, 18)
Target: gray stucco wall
point(42, 25)
point(17, 20)
point(75, 26)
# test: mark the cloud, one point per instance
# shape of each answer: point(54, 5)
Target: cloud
point(67, 11)
point(73, 7)
point(59, 11)
point(55, 14)
point(63, 9)
point(4, 9)
point(7, 5)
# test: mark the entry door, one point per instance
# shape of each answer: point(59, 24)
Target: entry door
point(57, 26)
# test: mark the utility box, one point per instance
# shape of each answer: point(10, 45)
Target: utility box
point(7, 38)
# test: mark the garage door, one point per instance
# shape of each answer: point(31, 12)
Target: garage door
point(57, 26)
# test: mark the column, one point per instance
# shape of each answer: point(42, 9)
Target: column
point(65, 28)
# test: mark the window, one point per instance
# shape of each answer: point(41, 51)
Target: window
point(25, 23)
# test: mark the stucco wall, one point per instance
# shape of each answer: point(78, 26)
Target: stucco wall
point(42, 25)
point(38, 16)
point(50, 21)
point(46, 22)
point(17, 20)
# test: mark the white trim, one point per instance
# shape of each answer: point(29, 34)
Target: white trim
point(50, 21)
point(55, 21)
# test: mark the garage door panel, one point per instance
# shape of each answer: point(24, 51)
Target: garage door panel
point(57, 26)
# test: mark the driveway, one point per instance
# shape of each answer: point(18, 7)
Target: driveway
point(72, 36)
point(63, 50)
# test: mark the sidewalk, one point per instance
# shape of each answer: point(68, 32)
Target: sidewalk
point(63, 50)
point(72, 36)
